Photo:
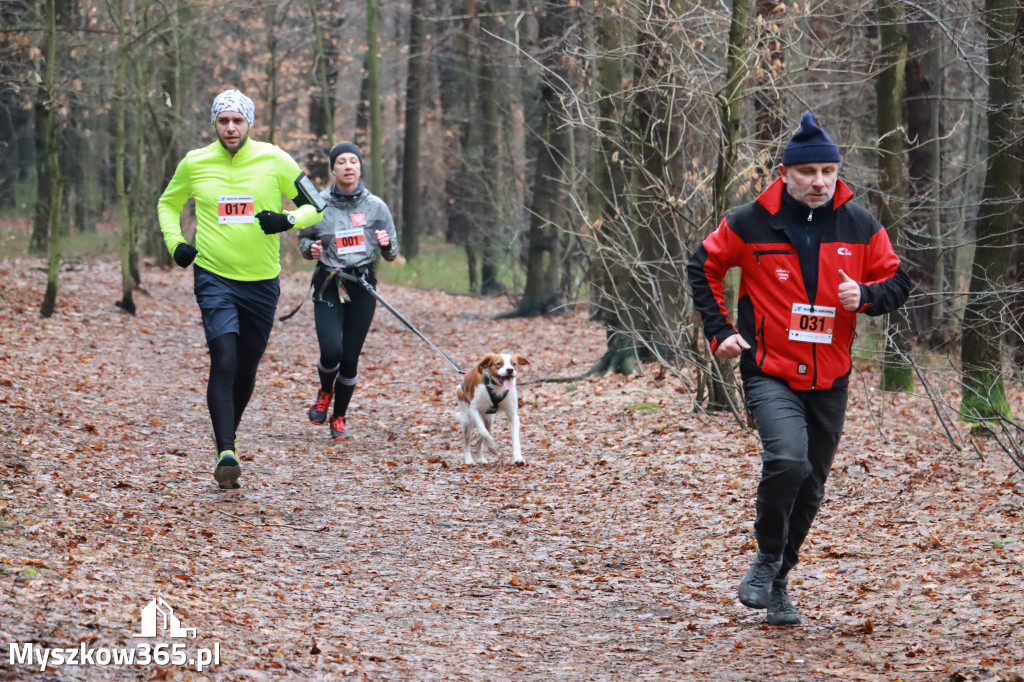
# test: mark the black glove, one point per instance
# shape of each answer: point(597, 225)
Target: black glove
point(272, 223)
point(184, 254)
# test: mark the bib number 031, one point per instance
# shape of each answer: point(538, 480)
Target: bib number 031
point(811, 324)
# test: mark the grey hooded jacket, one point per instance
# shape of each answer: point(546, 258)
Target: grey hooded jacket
point(343, 220)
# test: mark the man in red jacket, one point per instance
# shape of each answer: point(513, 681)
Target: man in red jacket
point(810, 259)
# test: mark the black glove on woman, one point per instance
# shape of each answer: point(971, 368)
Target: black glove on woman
point(184, 254)
point(272, 223)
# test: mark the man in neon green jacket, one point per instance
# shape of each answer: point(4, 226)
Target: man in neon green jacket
point(237, 184)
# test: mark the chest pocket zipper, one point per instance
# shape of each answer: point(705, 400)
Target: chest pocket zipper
point(771, 252)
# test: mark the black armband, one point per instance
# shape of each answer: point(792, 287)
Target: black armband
point(308, 194)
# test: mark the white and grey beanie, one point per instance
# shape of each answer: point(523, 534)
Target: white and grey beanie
point(233, 100)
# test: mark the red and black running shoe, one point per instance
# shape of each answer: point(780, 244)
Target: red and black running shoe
point(338, 431)
point(318, 411)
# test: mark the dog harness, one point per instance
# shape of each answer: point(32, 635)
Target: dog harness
point(488, 382)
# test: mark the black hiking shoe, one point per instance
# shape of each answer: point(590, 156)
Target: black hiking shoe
point(228, 469)
point(756, 587)
point(781, 610)
point(318, 410)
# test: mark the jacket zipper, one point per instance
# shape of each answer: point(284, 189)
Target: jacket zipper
point(771, 252)
point(761, 343)
point(814, 363)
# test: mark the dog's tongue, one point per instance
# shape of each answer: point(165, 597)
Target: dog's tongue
point(507, 383)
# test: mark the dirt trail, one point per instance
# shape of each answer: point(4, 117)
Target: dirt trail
point(614, 554)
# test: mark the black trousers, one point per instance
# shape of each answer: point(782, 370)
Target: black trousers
point(800, 433)
point(341, 328)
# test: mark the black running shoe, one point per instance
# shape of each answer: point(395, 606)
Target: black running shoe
point(781, 610)
point(756, 587)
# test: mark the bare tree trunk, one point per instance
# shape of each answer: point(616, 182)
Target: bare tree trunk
point(51, 162)
point(376, 154)
point(321, 102)
point(491, 227)
point(984, 396)
point(44, 180)
point(722, 389)
point(543, 291)
point(458, 80)
point(273, 15)
point(767, 97)
point(890, 88)
point(411, 152)
point(607, 200)
point(118, 14)
point(922, 220)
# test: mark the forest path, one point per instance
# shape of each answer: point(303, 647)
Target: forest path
point(614, 554)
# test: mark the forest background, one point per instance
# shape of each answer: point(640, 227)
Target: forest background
point(575, 151)
point(572, 153)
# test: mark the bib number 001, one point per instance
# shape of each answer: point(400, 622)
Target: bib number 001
point(811, 324)
point(350, 241)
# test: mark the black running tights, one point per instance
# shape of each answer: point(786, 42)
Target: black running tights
point(233, 365)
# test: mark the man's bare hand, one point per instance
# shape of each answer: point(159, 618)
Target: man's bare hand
point(732, 347)
point(849, 292)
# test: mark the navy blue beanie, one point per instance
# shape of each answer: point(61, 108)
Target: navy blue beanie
point(810, 144)
point(345, 148)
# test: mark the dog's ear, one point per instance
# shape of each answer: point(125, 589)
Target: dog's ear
point(520, 359)
point(487, 361)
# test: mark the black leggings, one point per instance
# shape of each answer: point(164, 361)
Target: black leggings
point(233, 365)
point(341, 328)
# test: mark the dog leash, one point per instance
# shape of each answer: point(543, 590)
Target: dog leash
point(319, 292)
point(373, 292)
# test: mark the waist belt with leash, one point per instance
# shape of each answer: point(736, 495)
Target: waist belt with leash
point(361, 280)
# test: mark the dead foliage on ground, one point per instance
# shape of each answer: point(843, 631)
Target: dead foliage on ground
point(614, 554)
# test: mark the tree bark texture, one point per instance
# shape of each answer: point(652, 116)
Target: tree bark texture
point(411, 148)
point(984, 396)
point(543, 291)
point(51, 161)
point(890, 88)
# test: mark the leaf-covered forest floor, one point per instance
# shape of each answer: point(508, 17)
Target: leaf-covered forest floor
point(614, 554)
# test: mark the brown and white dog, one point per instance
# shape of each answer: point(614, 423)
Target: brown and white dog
point(489, 388)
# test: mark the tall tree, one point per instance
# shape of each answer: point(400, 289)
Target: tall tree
point(411, 149)
point(890, 89)
point(175, 47)
point(325, 76)
point(120, 14)
point(50, 162)
point(609, 185)
point(984, 396)
point(273, 14)
point(767, 96)
point(376, 154)
point(722, 389)
point(924, 166)
point(489, 204)
point(542, 291)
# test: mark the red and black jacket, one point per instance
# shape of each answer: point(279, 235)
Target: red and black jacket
point(790, 254)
